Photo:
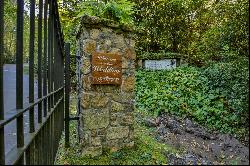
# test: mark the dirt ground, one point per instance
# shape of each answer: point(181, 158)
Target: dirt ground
point(199, 146)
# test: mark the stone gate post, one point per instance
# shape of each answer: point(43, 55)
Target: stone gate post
point(106, 85)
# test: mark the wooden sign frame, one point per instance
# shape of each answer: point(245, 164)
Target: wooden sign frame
point(106, 68)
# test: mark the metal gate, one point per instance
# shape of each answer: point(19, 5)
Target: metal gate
point(40, 144)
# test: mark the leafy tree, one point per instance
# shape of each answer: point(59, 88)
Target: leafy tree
point(68, 10)
point(201, 29)
point(227, 33)
point(163, 23)
point(10, 32)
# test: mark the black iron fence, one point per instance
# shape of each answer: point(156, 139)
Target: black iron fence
point(40, 144)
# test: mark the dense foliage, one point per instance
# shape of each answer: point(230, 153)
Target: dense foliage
point(202, 29)
point(10, 32)
point(68, 11)
point(207, 33)
point(232, 81)
point(215, 102)
point(119, 10)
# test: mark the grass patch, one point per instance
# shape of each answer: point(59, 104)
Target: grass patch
point(147, 150)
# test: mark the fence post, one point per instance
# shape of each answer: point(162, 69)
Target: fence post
point(40, 38)
point(67, 93)
point(19, 76)
point(2, 151)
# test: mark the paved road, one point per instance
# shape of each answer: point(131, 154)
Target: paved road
point(10, 103)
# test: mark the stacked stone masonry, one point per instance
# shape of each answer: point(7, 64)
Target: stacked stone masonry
point(106, 112)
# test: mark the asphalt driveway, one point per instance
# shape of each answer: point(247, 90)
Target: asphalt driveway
point(10, 103)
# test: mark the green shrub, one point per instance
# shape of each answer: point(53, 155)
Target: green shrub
point(120, 10)
point(232, 81)
point(187, 92)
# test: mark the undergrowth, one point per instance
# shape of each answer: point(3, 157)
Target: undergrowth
point(219, 102)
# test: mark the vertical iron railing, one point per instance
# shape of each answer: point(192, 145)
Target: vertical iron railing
point(2, 147)
point(40, 26)
point(40, 144)
point(45, 46)
point(30, 151)
point(67, 92)
point(19, 77)
point(31, 63)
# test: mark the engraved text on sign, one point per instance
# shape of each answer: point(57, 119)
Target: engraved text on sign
point(106, 68)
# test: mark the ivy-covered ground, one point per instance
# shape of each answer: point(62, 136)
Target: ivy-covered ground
point(215, 96)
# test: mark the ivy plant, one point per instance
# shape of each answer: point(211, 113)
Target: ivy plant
point(119, 10)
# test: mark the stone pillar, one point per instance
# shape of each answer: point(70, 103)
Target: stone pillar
point(106, 111)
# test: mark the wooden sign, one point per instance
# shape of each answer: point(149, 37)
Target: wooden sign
point(106, 68)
